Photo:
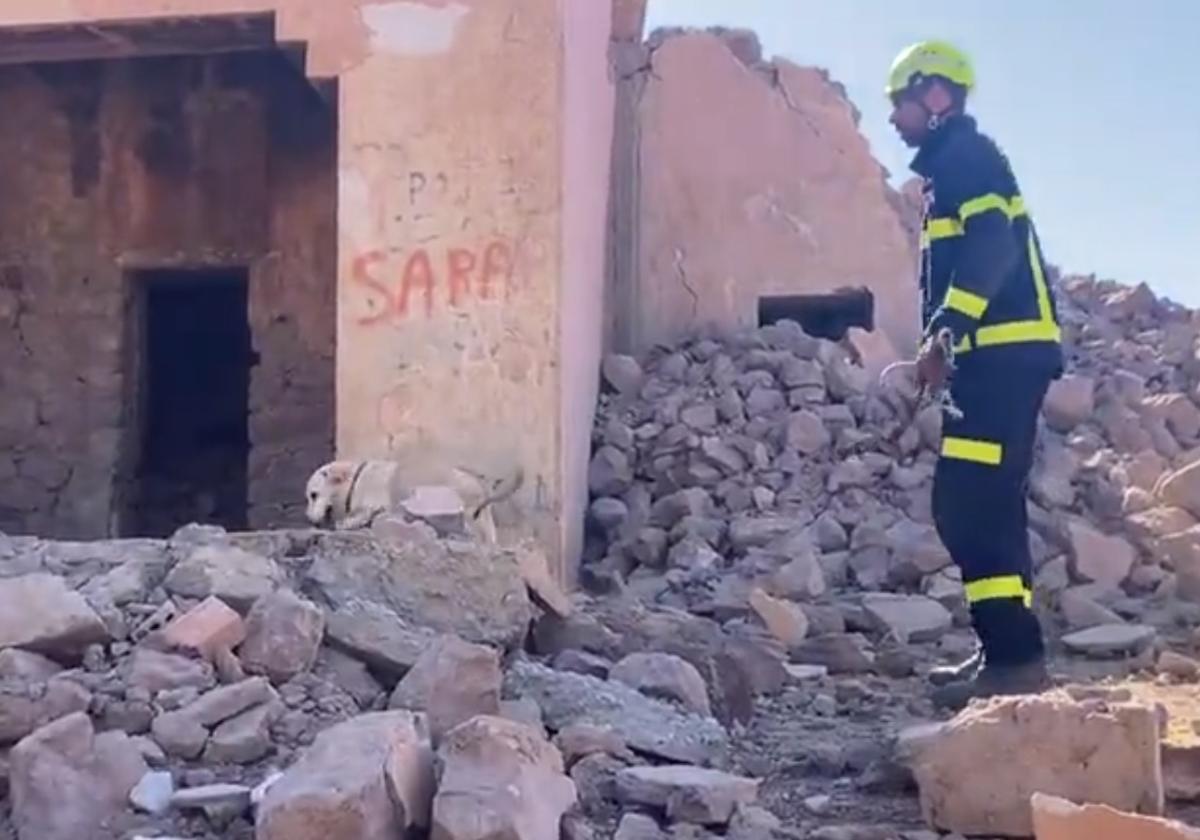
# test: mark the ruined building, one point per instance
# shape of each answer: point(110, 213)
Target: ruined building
point(239, 238)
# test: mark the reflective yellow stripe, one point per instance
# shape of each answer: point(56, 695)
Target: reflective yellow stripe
point(943, 228)
point(992, 201)
point(978, 451)
point(990, 589)
point(1043, 328)
point(967, 303)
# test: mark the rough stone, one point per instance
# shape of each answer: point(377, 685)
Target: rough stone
point(1098, 557)
point(66, 780)
point(155, 671)
point(283, 636)
point(1032, 745)
point(688, 794)
point(908, 618)
point(452, 682)
point(1069, 402)
point(610, 473)
point(581, 740)
point(807, 434)
point(236, 576)
point(1182, 488)
point(244, 738)
point(623, 373)
point(666, 677)
point(208, 627)
point(784, 620)
point(377, 636)
point(1110, 639)
point(535, 570)
point(500, 779)
point(26, 666)
point(1081, 610)
point(179, 734)
point(474, 591)
point(647, 725)
point(841, 653)
point(26, 706)
point(638, 827)
point(1058, 819)
point(153, 793)
point(38, 612)
point(370, 777)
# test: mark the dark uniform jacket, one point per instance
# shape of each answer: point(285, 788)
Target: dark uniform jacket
point(982, 272)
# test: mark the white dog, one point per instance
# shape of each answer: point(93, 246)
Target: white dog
point(350, 494)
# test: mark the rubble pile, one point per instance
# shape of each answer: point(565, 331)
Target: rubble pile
point(766, 591)
point(766, 475)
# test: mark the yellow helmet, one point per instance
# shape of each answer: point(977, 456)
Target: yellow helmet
point(930, 58)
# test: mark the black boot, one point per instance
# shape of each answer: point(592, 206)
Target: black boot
point(994, 681)
point(965, 670)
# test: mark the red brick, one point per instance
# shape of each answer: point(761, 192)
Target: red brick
point(206, 628)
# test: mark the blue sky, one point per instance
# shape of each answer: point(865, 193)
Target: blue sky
point(1096, 103)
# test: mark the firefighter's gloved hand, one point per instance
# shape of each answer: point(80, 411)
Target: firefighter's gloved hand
point(933, 367)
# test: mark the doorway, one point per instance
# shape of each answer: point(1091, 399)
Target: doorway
point(193, 398)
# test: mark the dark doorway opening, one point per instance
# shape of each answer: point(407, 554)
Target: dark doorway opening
point(821, 316)
point(195, 360)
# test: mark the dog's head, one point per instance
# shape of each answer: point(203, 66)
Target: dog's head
point(327, 490)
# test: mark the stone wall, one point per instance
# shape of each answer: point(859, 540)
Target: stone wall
point(736, 178)
point(117, 167)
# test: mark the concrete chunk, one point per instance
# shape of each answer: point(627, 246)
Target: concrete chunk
point(1058, 819)
point(1034, 745)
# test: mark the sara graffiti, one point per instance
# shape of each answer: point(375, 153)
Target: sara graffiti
point(427, 280)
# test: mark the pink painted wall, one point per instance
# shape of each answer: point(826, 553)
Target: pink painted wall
point(474, 140)
point(587, 142)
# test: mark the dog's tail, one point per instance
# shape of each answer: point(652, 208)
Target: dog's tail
point(505, 489)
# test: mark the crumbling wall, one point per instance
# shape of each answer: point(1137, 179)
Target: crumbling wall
point(734, 179)
point(121, 166)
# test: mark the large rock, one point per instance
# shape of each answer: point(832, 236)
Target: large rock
point(647, 725)
point(1034, 745)
point(67, 782)
point(1110, 639)
point(283, 636)
point(452, 682)
point(39, 612)
point(908, 618)
point(666, 677)
point(375, 635)
point(1058, 819)
point(474, 591)
point(1099, 557)
point(1070, 401)
point(370, 778)
point(1182, 488)
point(687, 794)
point(499, 779)
point(25, 706)
point(236, 576)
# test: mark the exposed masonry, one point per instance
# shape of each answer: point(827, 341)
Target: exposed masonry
point(184, 163)
point(671, 272)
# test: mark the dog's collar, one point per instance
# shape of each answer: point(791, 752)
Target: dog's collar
point(362, 465)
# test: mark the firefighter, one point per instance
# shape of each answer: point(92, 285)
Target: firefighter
point(984, 293)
